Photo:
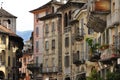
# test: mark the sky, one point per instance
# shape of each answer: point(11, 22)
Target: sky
point(20, 9)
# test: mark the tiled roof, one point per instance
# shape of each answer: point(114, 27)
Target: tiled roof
point(7, 31)
point(47, 5)
point(49, 16)
point(69, 4)
point(4, 13)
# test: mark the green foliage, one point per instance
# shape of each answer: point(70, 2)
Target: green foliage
point(93, 46)
point(112, 76)
point(94, 76)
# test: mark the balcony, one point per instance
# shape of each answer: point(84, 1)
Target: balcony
point(50, 69)
point(35, 67)
point(109, 55)
point(94, 57)
point(22, 75)
point(76, 59)
point(67, 29)
point(96, 23)
point(113, 19)
point(79, 37)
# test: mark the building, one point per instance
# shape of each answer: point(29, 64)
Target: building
point(11, 45)
point(7, 20)
point(27, 58)
point(69, 44)
point(38, 49)
point(106, 19)
point(52, 56)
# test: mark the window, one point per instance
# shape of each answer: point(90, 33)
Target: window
point(66, 61)
point(70, 13)
point(107, 36)
point(36, 59)
point(53, 61)
point(65, 20)
point(113, 6)
point(37, 46)
point(53, 44)
point(3, 39)
point(78, 55)
point(37, 16)
point(46, 28)
point(46, 45)
point(104, 38)
point(37, 31)
point(53, 26)
point(46, 62)
point(8, 60)
point(52, 9)
point(90, 31)
point(9, 22)
point(82, 27)
point(67, 42)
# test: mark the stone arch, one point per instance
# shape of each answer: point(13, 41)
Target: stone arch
point(67, 78)
point(2, 75)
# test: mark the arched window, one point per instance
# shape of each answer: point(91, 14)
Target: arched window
point(65, 20)
point(70, 15)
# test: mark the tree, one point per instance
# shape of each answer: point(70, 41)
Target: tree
point(94, 75)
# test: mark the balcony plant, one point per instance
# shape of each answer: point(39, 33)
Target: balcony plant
point(104, 46)
point(94, 75)
point(93, 46)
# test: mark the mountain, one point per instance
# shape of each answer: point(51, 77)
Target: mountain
point(24, 34)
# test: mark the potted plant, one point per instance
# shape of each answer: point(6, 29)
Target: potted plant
point(93, 46)
point(104, 46)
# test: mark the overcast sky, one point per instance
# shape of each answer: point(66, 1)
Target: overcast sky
point(20, 9)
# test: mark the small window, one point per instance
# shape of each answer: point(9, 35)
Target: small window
point(37, 46)
point(53, 62)
point(9, 22)
point(8, 60)
point(46, 45)
point(37, 31)
point(53, 44)
point(53, 26)
point(67, 42)
point(66, 61)
point(46, 63)
point(46, 28)
point(52, 9)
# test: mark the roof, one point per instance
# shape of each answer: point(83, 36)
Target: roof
point(7, 31)
point(49, 16)
point(69, 4)
point(47, 5)
point(4, 13)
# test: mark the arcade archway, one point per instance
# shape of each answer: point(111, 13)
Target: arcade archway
point(2, 76)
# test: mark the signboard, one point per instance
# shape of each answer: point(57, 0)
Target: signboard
point(102, 5)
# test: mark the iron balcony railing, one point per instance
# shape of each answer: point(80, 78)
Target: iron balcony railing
point(50, 69)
